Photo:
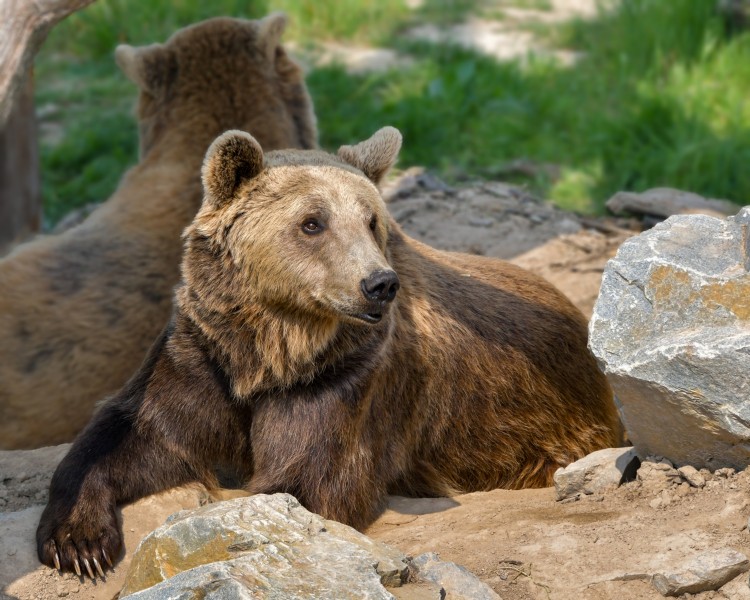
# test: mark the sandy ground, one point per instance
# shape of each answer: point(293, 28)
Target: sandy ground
point(606, 546)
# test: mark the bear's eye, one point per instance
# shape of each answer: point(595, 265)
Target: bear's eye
point(312, 226)
point(373, 223)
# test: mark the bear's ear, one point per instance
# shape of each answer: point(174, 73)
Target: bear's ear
point(270, 30)
point(234, 158)
point(374, 157)
point(152, 68)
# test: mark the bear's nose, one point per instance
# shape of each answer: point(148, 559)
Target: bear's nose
point(380, 286)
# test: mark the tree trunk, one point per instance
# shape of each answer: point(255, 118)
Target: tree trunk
point(24, 25)
point(20, 197)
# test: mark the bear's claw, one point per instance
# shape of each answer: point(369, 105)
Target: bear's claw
point(98, 568)
point(84, 547)
point(88, 567)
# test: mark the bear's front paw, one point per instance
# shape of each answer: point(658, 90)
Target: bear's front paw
point(81, 542)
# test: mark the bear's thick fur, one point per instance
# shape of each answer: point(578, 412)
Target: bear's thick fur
point(295, 361)
point(79, 311)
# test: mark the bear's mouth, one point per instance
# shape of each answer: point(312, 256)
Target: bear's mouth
point(371, 317)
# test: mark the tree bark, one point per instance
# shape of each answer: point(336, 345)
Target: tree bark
point(24, 25)
point(20, 197)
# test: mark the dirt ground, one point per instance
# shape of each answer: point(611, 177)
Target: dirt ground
point(605, 546)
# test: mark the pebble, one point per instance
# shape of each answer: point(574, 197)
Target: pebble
point(725, 473)
point(692, 476)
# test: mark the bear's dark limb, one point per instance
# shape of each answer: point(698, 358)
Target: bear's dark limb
point(134, 446)
point(110, 463)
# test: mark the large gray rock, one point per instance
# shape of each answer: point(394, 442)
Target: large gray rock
point(707, 571)
point(671, 328)
point(261, 547)
point(270, 547)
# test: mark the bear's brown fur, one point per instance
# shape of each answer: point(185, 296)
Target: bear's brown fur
point(79, 311)
point(295, 361)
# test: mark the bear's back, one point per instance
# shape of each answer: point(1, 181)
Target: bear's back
point(500, 370)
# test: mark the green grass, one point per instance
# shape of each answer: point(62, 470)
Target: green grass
point(660, 97)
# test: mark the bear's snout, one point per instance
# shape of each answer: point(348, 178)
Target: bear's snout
point(380, 286)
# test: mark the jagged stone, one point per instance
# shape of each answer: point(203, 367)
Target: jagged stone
point(707, 571)
point(457, 581)
point(261, 547)
point(597, 471)
point(671, 328)
point(692, 475)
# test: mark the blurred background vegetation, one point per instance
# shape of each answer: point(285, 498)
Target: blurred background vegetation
point(658, 96)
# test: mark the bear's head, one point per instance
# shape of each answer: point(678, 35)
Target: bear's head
point(216, 75)
point(301, 233)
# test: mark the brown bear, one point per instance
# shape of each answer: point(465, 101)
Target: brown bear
point(79, 311)
point(315, 349)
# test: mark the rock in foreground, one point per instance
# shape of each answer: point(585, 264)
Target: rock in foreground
point(596, 472)
point(671, 328)
point(707, 571)
point(264, 547)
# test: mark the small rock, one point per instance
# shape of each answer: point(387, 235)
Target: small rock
point(664, 202)
point(481, 222)
point(725, 473)
point(595, 472)
point(707, 571)
point(568, 226)
point(457, 581)
point(658, 474)
point(692, 476)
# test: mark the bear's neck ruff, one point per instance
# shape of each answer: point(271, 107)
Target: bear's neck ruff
point(261, 350)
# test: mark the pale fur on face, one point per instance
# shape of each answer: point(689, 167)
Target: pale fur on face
point(293, 270)
point(257, 206)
